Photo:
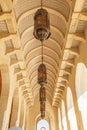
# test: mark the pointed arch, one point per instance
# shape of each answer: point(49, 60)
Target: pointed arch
point(42, 125)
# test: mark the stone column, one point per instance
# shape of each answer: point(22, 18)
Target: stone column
point(4, 96)
point(19, 108)
point(61, 118)
point(55, 110)
point(3, 105)
point(77, 112)
point(14, 109)
point(66, 114)
point(58, 119)
point(24, 119)
point(21, 113)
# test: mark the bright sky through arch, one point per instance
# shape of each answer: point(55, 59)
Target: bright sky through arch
point(42, 124)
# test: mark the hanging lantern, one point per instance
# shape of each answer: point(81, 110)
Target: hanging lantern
point(42, 106)
point(42, 114)
point(42, 76)
point(42, 32)
point(41, 25)
point(42, 109)
point(42, 94)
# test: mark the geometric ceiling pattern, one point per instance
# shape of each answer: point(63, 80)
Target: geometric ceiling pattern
point(52, 48)
point(67, 24)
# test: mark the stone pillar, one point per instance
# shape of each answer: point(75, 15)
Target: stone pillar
point(19, 108)
point(21, 113)
point(11, 93)
point(14, 109)
point(55, 110)
point(8, 110)
point(24, 119)
point(61, 118)
point(25, 126)
point(4, 97)
point(77, 112)
point(58, 118)
point(66, 114)
point(3, 106)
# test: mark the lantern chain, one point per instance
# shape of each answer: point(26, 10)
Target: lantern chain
point(41, 3)
point(42, 51)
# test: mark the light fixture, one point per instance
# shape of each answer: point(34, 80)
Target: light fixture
point(42, 109)
point(41, 24)
point(42, 80)
point(42, 94)
point(42, 101)
point(42, 75)
point(42, 32)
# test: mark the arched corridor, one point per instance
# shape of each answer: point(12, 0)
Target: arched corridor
point(58, 101)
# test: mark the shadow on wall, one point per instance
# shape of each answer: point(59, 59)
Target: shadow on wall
point(15, 128)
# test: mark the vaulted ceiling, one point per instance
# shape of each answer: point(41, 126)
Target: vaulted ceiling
point(23, 53)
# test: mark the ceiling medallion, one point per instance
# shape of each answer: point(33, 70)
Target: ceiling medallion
point(42, 32)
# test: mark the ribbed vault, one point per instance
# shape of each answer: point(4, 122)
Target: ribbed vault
point(52, 48)
point(21, 53)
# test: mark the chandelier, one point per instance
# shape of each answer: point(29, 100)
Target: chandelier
point(42, 32)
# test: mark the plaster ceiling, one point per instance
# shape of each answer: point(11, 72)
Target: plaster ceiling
point(67, 23)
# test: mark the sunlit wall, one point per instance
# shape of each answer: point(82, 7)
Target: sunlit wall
point(81, 91)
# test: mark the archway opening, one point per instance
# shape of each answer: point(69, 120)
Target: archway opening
point(42, 125)
point(81, 90)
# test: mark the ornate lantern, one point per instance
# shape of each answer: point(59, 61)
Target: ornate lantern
point(42, 32)
point(42, 109)
point(42, 94)
point(42, 101)
point(41, 25)
point(42, 114)
point(42, 76)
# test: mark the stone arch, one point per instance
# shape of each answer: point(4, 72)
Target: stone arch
point(71, 111)
point(42, 124)
point(42, 128)
point(50, 116)
point(47, 118)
